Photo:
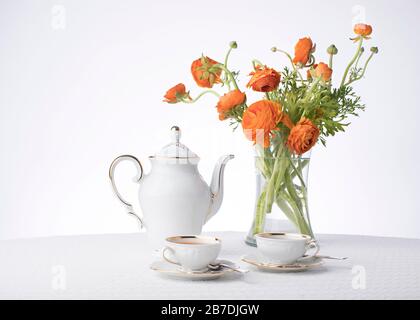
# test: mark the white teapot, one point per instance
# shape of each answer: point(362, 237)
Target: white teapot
point(174, 198)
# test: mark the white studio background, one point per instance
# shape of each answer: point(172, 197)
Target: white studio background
point(82, 82)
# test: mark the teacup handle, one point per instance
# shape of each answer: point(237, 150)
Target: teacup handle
point(166, 258)
point(312, 244)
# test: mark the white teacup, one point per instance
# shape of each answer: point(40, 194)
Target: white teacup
point(284, 248)
point(192, 253)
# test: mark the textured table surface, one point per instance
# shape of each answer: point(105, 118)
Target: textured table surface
point(117, 267)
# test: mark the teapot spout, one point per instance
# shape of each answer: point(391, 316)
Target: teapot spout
point(216, 186)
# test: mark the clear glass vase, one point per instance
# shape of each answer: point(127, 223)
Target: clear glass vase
point(282, 193)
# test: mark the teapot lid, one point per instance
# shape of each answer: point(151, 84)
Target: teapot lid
point(175, 149)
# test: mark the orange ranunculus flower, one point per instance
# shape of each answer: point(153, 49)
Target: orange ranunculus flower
point(363, 30)
point(303, 136)
point(205, 73)
point(303, 50)
point(264, 79)
point(260, 119)
point(174, 94)
point(229, 101)
point(322, 70)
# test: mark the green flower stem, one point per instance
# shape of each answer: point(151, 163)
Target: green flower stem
point(292, 191)
point(230, 75)
point(280, 188)
point(278, 177)
point(200, 95)
point(261, 207)
point(363, 72)
point(298, 172)
point(302, 200)
point(291, 62)
point(227, 56)
point(307, 218)
point(226, 65)
point(300, 221)
point(358, 59)
point(260, 213)
point(280, 166)
point(311, 89)
point(283, 204)
point(359, 47)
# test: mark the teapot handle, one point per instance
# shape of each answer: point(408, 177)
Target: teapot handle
point(128, 206)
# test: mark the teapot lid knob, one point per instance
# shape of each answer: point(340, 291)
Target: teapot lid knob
point(176, 134)
point(175, 149)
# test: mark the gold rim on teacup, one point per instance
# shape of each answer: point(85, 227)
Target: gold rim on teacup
point(207, 240)
point(272, 236)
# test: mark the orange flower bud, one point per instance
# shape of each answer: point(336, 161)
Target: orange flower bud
point(174, 94)
point(264, 79)
point(205, 73)
point(322, 70)
point(308, 72)
point(260, 119)
point(303, 50)
point(229, 101)
point(363, 30)
point(302, 137)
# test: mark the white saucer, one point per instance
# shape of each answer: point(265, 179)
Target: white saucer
point(173, 271)
point(300, 265)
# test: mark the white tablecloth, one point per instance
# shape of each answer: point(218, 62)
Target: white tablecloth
point(117, 267)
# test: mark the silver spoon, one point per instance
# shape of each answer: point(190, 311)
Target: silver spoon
point(327, 257)
point(219, 266)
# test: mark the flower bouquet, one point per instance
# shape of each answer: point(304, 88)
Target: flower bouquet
point(300, 106)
